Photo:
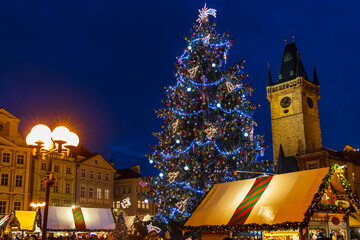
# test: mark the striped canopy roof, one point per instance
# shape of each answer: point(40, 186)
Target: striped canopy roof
point(267, 200)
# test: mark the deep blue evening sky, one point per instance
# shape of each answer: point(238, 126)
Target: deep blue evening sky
point(100, 67)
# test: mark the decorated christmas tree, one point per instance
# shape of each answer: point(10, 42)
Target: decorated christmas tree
point(120, 232)
point(208, 130)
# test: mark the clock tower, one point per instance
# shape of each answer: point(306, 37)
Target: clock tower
point(294, 108)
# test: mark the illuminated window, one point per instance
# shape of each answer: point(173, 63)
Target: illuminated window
point(98, 193)
point(143, 204)
point(139, 204)
point(82, 192)
point(107, 194)
point(117, 204)
point(147, 205)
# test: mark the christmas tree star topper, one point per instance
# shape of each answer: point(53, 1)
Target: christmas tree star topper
point(203, 14)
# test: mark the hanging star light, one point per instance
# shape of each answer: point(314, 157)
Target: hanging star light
point(210, 132)
point(126, 203)
point(181, 205)
point(172, 176)
point(151, 228)
point(203, 14)
point(193, 71)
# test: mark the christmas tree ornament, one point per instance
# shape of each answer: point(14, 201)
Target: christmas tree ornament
point(181, 205)
point(193, 71)
point(151, 228)
point(143, 183)
point(206, 40)
point(172, 176)
point(203, 79)
point(175, 125)
point(210, 132)
point(126, 203)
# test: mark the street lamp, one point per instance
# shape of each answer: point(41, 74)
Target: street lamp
point(49, 143)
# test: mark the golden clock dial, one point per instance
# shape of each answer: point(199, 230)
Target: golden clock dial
point(285, 102)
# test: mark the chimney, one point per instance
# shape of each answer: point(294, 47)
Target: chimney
point(135, 168)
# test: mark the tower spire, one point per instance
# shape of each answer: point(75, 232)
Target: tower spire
point(315, 77)
point(269, 79)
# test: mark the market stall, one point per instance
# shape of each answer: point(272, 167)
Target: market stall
point(20, 223)
point(67, 221)
point(301, 205)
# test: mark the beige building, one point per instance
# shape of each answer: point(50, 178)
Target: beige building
point(15, 165)
point(295, 122)
point(127, 190)
point(95, 180)
point(64, 169)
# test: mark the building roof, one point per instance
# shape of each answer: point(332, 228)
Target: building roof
point(82, 151)
point(269, 79)
point(286, 164)
point(270, 201)
point(126, 173)
point(291, 65)
point(315, 78)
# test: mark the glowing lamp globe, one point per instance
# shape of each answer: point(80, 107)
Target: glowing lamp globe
point(60, 134)
point(72, 139)
point(39, 133)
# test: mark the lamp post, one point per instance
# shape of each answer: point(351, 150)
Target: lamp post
point(49, 143)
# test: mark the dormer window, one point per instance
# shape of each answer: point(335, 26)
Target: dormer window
point(287, 57)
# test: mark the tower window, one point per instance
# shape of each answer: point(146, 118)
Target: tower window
point(291, 73)
point(280, 76)
point(287, 57)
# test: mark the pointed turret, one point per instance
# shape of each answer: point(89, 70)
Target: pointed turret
point(315, 78)
point(269, 79)
point(291, 65)
point(286, 164)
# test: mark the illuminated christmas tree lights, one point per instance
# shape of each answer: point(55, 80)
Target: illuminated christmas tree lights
point(208, 130)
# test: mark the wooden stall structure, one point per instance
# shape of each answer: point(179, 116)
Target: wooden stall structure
point(302, 205)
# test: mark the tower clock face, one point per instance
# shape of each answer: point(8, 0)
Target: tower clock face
point(285, 102)
point(310, 102)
